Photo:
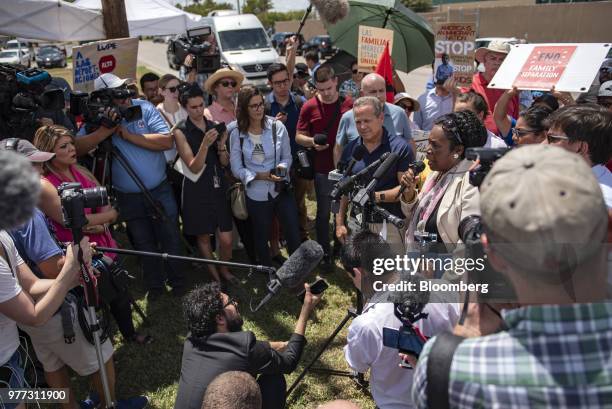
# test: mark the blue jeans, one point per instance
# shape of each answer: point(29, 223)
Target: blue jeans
point(323, 188)
point(261, 214)
point(15, 367)
point(149, 233)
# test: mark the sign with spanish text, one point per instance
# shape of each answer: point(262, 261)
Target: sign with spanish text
point(371, 44)
point(118, 56)
point(539, 67)
point(454, 52)
point(544, 67)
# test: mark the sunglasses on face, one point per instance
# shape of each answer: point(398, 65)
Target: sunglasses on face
point(556, 138)
point(172, 89)
point(522, 132)
point(228, 84)
point(604, 69)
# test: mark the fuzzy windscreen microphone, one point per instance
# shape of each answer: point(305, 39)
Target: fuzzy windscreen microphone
point(19, 190)
point(331, 11)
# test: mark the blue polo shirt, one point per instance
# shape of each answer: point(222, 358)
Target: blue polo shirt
point(149, 165)
point(293, 114)
point(396, 122)
point(389, 143)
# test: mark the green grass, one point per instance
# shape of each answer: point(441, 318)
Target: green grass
point(154, 369)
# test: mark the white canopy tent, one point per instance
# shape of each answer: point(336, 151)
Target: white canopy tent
point(52, 20)
point(150, 17)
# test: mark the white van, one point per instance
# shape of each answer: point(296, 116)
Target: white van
point(245, 46)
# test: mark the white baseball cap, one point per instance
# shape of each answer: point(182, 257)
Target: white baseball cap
point(108, 80)
point(605, 90)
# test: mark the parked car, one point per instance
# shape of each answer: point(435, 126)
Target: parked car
point(322, 44)
point(15, 56)
point(50, 56)
point(20, 45)
point(162, 39)
point(277, 38)
point(282, 44)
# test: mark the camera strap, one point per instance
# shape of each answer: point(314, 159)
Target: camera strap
point(274, 141)
point(439, 363)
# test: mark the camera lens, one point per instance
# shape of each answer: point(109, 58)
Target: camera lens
point(95, 197)
point(470, 229)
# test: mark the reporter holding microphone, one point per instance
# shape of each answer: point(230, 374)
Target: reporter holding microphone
point(447, 196)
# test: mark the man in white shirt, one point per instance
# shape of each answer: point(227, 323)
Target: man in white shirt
point(473, 101)
point(390, 384)
point(586, 130)
point(434, 103)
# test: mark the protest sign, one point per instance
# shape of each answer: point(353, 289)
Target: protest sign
point(567, 67)
point(116, 56)
point(371, 44)
point(454, 52)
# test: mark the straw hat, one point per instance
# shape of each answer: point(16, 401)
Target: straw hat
point(220, 74)
point(496, 46)
point(404, 95)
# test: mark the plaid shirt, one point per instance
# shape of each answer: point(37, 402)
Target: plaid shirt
point(550, 357)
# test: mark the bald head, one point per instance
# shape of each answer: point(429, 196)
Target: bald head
point(339, 404)
point(373, 85)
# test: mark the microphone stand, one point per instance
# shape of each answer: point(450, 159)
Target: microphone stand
point(357, 377)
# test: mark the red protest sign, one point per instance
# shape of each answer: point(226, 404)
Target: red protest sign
point(544, 67)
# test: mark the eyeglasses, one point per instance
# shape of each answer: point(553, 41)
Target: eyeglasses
point(357, 72)
point(556, 138)
point(230, 301)
point(229, 84)
point(281, 82)
point(256, 106)
point(522, 132)
point(172, 89)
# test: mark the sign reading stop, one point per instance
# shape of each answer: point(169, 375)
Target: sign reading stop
point(107, 64)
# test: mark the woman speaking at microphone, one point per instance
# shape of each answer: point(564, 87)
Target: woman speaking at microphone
point(447, 196)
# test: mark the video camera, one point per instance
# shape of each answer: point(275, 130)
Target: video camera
point(22, 97)
point(92, 106)
point(75, 200)
point(487, 157)
point(201, 43)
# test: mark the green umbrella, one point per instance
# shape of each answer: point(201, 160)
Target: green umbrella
point(413, 39)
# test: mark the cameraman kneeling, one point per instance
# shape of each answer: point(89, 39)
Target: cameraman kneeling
point(217, 344)
point(389, 383)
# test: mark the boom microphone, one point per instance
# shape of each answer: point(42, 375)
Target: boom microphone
point(417, 167)
point(294, 271)
point(358, 154)
point(344, 185)
point(363, 195)
point(331, 11)
point(320, 139)
point(19, 189)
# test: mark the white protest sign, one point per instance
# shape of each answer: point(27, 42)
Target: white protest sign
point(567, 67)
point(116, 56)
point(371, 45)
point(454, 52)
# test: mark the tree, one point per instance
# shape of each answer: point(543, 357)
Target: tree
point(418, 6)
point(206, 7)
point(257, 7)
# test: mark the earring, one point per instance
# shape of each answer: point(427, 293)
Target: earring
point(455, 156)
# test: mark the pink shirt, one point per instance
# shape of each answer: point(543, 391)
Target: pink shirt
point(216, 112)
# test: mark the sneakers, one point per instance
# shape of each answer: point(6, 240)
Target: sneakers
point(136, 402)
point(92, 401)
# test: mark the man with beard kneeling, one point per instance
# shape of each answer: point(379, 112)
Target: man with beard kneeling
point(217, 344)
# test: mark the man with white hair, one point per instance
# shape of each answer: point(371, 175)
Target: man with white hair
point(545, 230)
point(396, 121)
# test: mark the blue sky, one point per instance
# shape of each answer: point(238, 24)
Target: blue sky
point(279, 5)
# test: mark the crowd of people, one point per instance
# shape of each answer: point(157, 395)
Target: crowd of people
point(223, 165)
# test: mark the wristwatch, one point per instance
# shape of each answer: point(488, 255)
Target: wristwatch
point(381, 197)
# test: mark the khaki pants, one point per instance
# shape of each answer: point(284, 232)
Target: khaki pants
point(300, 189)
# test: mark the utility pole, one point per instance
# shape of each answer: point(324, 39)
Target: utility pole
point(115, 20)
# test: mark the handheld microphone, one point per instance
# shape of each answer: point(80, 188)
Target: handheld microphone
point(345, 184)
point(294, 271)
point(417, 167)
point(362, 197)
point(19, 189)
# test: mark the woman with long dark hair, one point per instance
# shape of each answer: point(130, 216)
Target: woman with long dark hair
point(260, 157)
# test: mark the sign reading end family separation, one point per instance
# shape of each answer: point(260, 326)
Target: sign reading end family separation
point(371, 45)
point(567, 67)
point(116, 56)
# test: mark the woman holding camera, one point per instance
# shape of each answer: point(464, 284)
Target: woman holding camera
point(201, 145)
point(447, 196)
point(63, 168)
point(260, 158)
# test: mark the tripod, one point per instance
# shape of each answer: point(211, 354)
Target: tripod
point(357, 377)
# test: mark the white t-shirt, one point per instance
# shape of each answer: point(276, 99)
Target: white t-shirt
point(172, 119)
point(604, 177)
point(9, 289)
point(390, 385)
point(259, 156)
point(494, 141)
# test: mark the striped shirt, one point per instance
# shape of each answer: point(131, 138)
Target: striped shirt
point(552, 356)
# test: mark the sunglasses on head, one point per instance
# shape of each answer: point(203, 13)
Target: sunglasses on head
point(228, 84)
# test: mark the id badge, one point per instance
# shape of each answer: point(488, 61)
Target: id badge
point(216, 181)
